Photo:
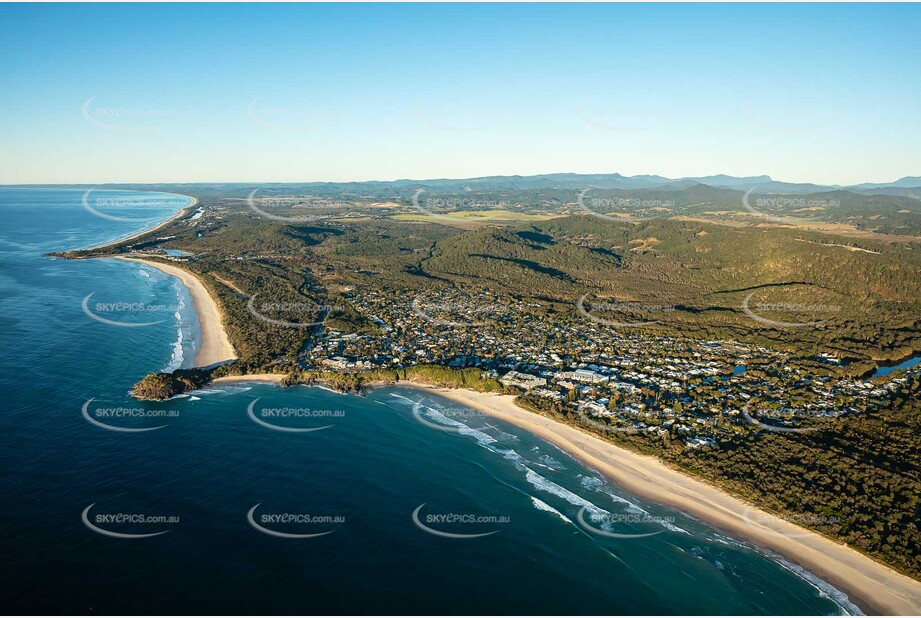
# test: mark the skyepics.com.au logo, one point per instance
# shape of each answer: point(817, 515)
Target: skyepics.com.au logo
point(291, 419)
point(125, 117)
point(624, 209)
point(450, 419)
point(458, 525)
point(603, 523)
point(781, 306)
point(297, 314)
point(439, 207)
point(790, 525)
point(293, 525)
point(295, 208)
point(127, 525)
point(457, 310)
point(777, 420)
point(114, 418)
point(773, 208)
point(621, 313)
point(114, 313)
point(126, 206)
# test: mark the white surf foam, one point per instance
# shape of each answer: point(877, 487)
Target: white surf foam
point(543, 506)
point(596, 484)
point(544, 484)
point(227, 390)
point(177, 356)
point(436, 415)
point(433, 414)
point(825, 589)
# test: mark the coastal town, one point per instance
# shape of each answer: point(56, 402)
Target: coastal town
point(700, 392)
point(463, 309)
point(737, 403)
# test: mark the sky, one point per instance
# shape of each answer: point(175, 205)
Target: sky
point(291, 92)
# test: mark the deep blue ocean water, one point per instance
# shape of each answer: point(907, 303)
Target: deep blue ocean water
point(221, 482)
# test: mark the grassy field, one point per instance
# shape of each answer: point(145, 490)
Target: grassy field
point(483, 216)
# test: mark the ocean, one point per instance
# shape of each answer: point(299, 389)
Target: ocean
point(248, 498)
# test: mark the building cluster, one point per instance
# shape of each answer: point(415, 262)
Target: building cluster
point(698, 392)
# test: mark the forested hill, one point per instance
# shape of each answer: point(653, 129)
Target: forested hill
point(704, 273)
point(352, 270)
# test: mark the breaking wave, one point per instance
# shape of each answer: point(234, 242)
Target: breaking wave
point(540, 505)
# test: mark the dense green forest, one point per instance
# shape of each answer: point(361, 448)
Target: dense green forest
point(860, 296)
point(702, 273)
point(857, 480)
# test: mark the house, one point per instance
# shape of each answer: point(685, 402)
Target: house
point(522, 380)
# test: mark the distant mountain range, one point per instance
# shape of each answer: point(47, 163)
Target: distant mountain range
point(909, 186)
point(901, 183)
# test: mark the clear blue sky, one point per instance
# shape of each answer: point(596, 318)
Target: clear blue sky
point(252, 93)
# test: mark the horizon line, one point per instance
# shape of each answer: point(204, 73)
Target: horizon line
point(445, 178)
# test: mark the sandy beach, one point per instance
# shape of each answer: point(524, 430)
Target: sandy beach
point(182, 212)
point(872, 586)
point(875, 588)
point(214, 347)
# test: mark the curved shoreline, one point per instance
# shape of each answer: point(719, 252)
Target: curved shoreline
point(872, 586)
point(215, 347)
point(182, 212)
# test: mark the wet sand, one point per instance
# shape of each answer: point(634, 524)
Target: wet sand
point(872, 586)
point(215, 346)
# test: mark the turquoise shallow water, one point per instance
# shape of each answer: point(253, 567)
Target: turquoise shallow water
point(496, 526)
